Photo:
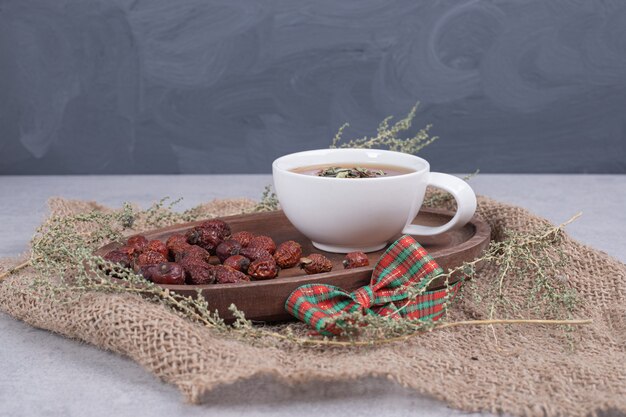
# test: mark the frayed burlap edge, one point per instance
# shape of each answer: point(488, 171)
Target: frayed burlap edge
point(531, 370)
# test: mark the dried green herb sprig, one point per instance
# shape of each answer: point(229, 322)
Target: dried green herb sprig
point(83, 272)
point(388, 136)
point(269, 201)
point(356, 172)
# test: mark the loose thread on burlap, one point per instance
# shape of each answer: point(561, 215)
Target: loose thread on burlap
point(13, 270)
point(456, 324)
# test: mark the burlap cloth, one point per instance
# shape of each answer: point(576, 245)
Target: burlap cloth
point(530, 370)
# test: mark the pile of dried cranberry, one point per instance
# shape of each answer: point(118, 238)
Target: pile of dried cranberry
point(243, 256)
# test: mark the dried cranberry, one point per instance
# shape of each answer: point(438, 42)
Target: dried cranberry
point(176, 244)
point(138, 242)
point(316, 264)
point(238, 262)
point(263, 242)
point(254, 253)
point(168, 273)
point(119, 256)
point(227, 275)
point(157, 246)
point(243, 238)
point(264, 268)
point(198, 272)
point(176, 241)
point(288, 254)
point(149, 258)
point(192, 251)
point(226, 249)
point(207, 239)
point(221, 227)
point(189, 261)
point(355, 260)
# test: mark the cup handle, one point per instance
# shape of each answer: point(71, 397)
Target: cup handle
point(465, 201)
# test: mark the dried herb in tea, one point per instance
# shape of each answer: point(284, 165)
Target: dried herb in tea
point(356, 172)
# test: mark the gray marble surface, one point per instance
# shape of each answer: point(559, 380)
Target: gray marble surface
point(45, 374)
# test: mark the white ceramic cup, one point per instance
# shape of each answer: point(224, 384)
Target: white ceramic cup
point(362, 214)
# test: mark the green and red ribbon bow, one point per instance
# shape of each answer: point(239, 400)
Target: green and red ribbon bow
point(405, 264)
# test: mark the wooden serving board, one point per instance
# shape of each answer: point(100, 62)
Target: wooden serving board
point(264, 300)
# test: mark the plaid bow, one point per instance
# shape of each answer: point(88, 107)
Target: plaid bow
point(405, 263)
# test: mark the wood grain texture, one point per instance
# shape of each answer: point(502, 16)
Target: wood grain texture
point(264, 300)
point(225, 86)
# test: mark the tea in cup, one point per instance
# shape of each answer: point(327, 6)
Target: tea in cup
point(348, 200)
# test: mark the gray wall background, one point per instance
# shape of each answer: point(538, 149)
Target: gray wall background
point(206, 86)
